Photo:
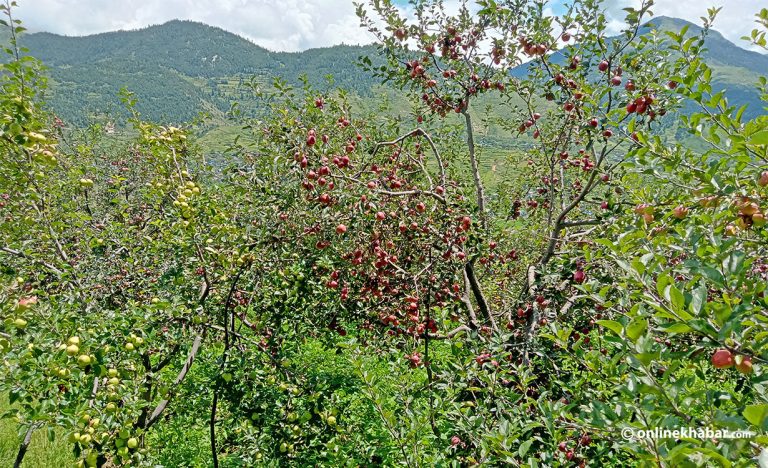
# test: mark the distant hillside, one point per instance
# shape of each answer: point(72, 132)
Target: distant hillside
point(176, 69)
point(181, 68)
point(733, 68)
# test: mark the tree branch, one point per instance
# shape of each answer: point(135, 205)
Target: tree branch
point(24, 446)
point(477, 291)
point(179, 378)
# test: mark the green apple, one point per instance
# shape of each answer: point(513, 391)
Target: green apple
point(132, 443)
point(112, 373)
point(20, 323)
point(73, 340)
point(84, 360)
point(129, 346)
point(331, 420)
point(73, 350)
point(110, 408)
point(114, 381)
point(92, 458)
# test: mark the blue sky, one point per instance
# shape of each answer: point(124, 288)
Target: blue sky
point(300, 24)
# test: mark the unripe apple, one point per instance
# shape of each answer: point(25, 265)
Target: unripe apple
point(20, 323)
point(680, 212)
point(112, 372)
point(132, 443)
point(114, 381)
point(331, 420)
point(758, 219)
point(110, 408)
point(722, 359)
point(744, 364)
point(73, 350)
point(84, 360)
point(73, 340)
point(749, 208)
point(25, 303)
point(129, 346)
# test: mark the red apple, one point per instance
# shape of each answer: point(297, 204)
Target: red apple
point(722, 359)
point(603, 66)
point(579, 276)
point(341, 229)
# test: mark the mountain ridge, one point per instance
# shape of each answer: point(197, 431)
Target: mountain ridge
point(187, 66)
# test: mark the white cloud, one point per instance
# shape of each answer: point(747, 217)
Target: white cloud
point(286, 25)
point(290, 25)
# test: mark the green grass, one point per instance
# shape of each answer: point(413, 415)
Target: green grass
point(42, 452)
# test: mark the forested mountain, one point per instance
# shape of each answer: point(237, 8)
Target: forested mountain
point(176, 69)
point(181, 68)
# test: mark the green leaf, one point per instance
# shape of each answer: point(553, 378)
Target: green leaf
point(524, 447)
point(698, 299)
point(678, 327)
point(759, 138)
point(636, 328)
point(612, 325)
point(756, 414)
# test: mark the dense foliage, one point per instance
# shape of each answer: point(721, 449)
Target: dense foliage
point(346, 289)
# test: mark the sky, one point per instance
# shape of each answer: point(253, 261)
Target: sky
point(294, 25)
